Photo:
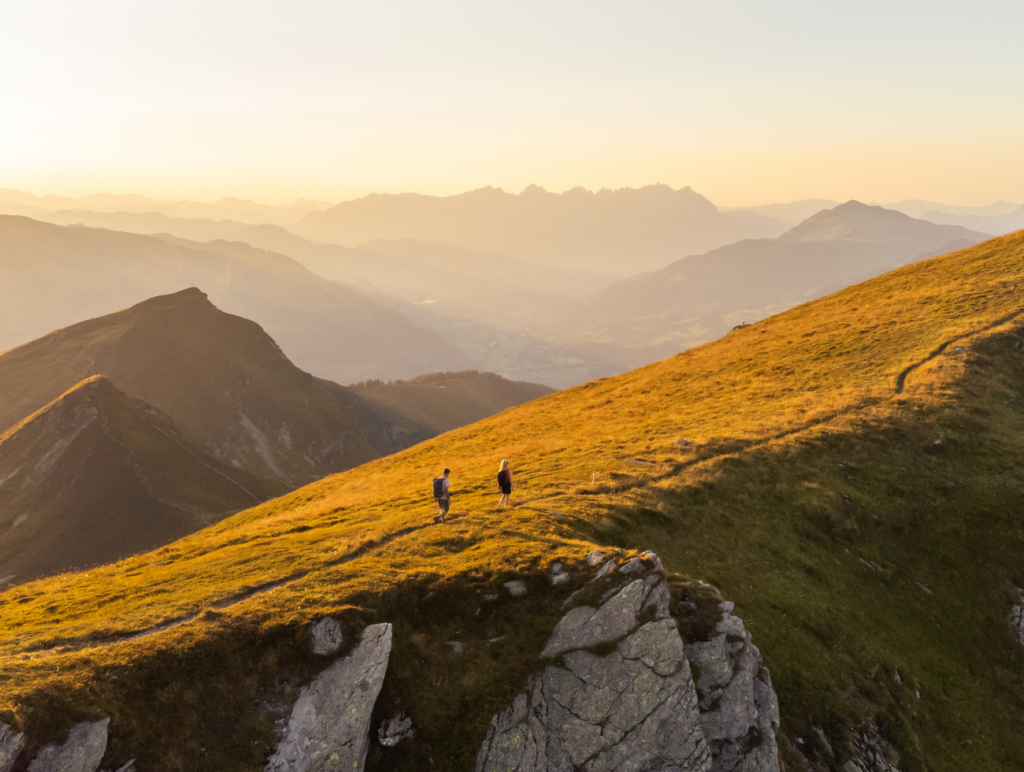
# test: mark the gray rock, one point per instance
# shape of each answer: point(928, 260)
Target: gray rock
point(393, 730)
point(1017, 618)
point(654, 559)
point(11, 743)
point(606, 569)
point(557, 579)
point(329, 726)
point(658, 598)
point(727, 606)
point(129, 767)
point(82, 752)
point(600, 714)
point(327, 637)
point(516, 588)
point(594, 558)
point(457, 646)
point(631, 566)
point(739, 710)
point(585, 626)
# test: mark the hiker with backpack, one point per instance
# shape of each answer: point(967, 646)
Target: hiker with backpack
point(504, 483)
point(442, 495)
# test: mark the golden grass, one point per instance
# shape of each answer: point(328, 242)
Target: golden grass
point(757, 506)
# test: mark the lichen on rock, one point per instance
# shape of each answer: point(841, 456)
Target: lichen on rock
point(329, 726)
point(636, 707)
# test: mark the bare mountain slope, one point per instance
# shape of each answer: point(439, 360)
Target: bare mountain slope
point(221, 378)
point(700, 298)
point(618, 231)
point(97, 475)
point(55, 276)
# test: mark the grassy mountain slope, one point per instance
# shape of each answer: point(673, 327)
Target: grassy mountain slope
point(221, 378)
point(55, 276)
point(432, 404)
point(854, 487)
point(613, 230)
point(701, 297)
point(97, 475)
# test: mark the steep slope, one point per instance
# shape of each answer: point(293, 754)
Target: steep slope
point(700, 298)
point(221, 378)
point(424, 407)
point(849, 477)
point(616, 231)
point(55, 276)
point(96, 475)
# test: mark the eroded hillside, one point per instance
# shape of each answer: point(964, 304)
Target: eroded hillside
point(845, 472)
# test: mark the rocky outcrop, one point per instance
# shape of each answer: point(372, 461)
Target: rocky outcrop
point(871, 752)
point(739, 711)
point(82, 752)
point(619, 694)
point(393, 730)
point(326, 635)
point(329, 726)
point(11, 743)
point(1017, 618)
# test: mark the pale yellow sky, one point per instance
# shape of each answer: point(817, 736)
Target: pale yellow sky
point(746, 102)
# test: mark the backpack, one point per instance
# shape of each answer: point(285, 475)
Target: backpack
point(438, 487)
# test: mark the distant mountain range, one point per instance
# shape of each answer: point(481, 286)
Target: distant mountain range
point(614, 231)
point(699, 298)
point(54, 276)
point(19, 202)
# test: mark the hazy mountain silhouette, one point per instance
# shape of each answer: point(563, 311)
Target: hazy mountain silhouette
point(55, 276)
point(617, 231)
point(791, 213)
point(915, 207)
point(19, 202)
point(994, 224)
point(96, 475)
point(195, 229)
point(701, 297)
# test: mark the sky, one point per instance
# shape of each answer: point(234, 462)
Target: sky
point(746, 102)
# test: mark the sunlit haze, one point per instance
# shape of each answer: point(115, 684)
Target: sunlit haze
point(746, 102)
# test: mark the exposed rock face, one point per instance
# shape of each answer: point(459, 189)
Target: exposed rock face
point(739, 710)
point(82, 752)
point(871, 752)
point(636, 707)
point(330, 723)
point(11, 743)
point(327, 637)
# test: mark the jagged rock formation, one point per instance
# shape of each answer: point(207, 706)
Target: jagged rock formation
point(739, 711)
point(636, 707)
point(82, 752)
point(329, 726)
point(11, 743)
